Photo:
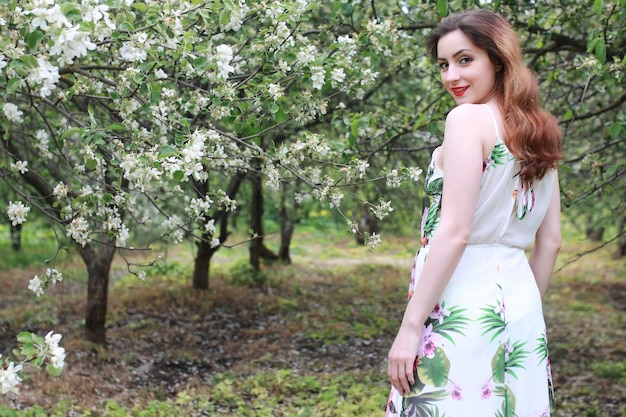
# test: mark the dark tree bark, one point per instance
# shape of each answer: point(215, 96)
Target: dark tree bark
point(258, 250)
point(98, 263)
point(202, 262)
point(595, 234)
point(621, 241)
point(287, 226)
point(16, 237)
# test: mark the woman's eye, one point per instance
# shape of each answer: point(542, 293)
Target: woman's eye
point(443, 65)
point(465, 60)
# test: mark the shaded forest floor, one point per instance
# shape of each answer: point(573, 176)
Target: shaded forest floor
point(312, 340)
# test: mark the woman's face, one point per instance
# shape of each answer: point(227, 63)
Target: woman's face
point(466, 70)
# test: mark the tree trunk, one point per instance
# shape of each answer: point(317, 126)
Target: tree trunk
point(287, 225)
point(621, 241)
point(595, 234)
point(16, 237)
point(98, 265)
point(202, 264)
point(258, 249)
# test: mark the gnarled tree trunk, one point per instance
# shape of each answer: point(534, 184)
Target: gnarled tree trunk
point(98, 263)
point(258, 250)
point(202, 262)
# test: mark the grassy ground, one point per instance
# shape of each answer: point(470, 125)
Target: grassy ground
point(311, 341)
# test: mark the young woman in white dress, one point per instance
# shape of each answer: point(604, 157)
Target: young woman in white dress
point(472, 342)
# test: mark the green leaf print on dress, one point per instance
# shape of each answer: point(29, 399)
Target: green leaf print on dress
point(493, 320)
point(507, 358)
point(433, 190)
point(433, 366)
point(446, 321)
point(499, 156)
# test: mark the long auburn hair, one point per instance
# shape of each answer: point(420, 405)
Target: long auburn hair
point(532, 134)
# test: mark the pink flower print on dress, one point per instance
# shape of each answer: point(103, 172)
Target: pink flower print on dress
point(486, 392)
point(430, 342)
point(439, 313)
point(456, 393)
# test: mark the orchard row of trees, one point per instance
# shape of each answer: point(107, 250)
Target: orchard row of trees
point(126, 122)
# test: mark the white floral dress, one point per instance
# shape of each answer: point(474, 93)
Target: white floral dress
point(484, 351)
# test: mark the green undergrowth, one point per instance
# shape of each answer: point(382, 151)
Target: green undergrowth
point(280, 393)
point(334, 294)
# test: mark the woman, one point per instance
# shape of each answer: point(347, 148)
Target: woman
point(474, 317)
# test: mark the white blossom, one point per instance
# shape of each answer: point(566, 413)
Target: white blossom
point(12, 113)
point(237, 16)
point(9, 378)
point(338, 75)
point(317, 77)
point(222, 59)
point(393, 179)
point(54, 275)
point(60, 190)
point(275, 91)
point(71, 43)
point(373, 240)
point(20, 166)
point(307, 55)
point(35, 285)
point(414, 173)
point(78, 229)
point(17, 212)
point(160, 74)
point(382, 210)
point(132, 53)
point(57, 353)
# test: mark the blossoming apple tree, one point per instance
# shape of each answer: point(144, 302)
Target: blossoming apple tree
point(125, 122)
point(115, 112)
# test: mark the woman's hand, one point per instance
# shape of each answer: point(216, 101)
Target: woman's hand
point(402, 358)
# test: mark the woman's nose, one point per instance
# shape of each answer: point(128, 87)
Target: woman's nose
point(452, 74)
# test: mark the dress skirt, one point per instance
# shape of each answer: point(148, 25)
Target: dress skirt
point(484, 349)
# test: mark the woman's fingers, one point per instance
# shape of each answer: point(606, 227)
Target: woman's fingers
point(400, 374)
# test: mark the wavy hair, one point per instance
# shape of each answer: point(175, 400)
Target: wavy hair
point(532, 134)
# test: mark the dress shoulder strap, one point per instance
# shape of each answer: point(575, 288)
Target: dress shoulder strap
point(494, 120)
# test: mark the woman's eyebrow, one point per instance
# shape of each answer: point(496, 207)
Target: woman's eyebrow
point(457, 53)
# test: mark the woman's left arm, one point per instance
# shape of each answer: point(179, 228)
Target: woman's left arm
point(462, 162)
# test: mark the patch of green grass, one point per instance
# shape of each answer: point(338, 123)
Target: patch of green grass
point(612, 370)
point(280, 393)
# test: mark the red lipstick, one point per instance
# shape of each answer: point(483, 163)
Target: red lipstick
point(459, 91)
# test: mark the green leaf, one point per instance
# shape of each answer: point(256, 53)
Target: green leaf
point(71, 11)
point(600, 51)
point(615, 129)
point(33, 38)
point(54, 371)
point(442, 8)
point(91, 164)
point(12, 85)
point(597, 7)
point(25, 337)
point(166, 152)
point(434, 371)
point(140, 7)
point(178, 175)
point(116, 127)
